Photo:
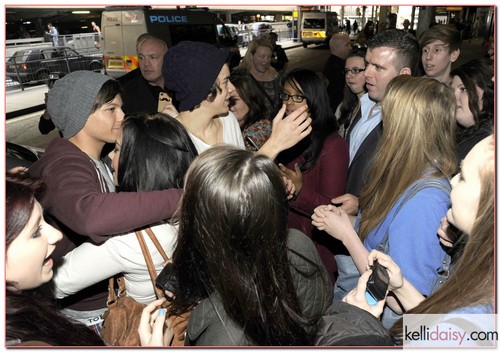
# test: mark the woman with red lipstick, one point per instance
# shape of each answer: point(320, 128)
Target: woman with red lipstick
point(30, 320)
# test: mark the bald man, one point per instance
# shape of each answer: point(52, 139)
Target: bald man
point(340, 46)
point(142, 86)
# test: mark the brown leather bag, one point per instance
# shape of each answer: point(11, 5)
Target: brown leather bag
point(121, 320)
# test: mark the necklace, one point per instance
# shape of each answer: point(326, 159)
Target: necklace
point(215, 138)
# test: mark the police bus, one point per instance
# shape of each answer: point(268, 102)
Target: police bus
point(121, 26)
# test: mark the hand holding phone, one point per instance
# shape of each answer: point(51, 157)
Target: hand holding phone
point(377, 284)
point(163, 100)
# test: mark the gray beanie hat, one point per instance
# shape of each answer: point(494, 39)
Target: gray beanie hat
point(71, 99)
point(190, 70)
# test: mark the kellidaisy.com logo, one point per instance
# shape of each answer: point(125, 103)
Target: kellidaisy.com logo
point(450, 330)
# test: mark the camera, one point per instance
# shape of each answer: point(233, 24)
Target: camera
point(167, 280)
point(377, 284)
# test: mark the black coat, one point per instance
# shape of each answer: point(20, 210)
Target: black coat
point(138, 95)
point(347, 325)
point(279, 58)
point(334, 72)
point(467, 143)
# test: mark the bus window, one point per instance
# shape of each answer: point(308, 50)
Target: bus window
point(194, 32)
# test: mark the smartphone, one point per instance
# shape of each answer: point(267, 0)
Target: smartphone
point(377, 284)
point(163, 100)
point(253, 143)
point(167, 281)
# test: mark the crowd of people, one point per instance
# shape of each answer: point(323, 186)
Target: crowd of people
point(273, 191)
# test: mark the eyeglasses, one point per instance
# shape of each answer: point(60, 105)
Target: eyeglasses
point(295, 98)
point(354, 70)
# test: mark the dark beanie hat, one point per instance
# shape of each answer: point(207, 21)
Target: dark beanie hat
point(71, 99)
point(190, 70)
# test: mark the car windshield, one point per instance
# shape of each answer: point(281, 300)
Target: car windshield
point(314, 23)
point(21, 56)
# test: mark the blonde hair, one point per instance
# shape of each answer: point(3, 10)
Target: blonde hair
point(418, 137)
point(247, 61)
point(472, 282)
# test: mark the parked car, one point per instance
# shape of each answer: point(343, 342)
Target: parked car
point(21, 155)
point(227, 36)
point(243, 36)
point(36, 64)
point(258, 29)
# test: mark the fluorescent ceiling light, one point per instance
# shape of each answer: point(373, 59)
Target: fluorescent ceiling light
point(79, 12)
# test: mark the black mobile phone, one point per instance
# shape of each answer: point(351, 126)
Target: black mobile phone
point(377, 284)
point(167, 280)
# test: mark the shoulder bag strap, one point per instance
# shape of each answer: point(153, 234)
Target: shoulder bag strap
point(149, 263)
point(111, 292)
point(157, 244)
point(383, 246)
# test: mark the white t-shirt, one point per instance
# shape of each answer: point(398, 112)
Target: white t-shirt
point(231, 134)
point(89, 264)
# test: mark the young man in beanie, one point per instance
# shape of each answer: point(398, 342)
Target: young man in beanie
point(198, 75)
point(79, 198)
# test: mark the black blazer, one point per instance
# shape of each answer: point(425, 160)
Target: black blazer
point(138, 95)
point(356, 175)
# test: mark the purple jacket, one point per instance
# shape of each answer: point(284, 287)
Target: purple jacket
point(326, 180)
point(74, 196)
point(78, 202)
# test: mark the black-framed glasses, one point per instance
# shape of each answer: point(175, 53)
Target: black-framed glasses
point(295, 98)
point(354, 70)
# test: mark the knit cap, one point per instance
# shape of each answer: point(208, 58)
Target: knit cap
point(71, 99)
point(190, 69)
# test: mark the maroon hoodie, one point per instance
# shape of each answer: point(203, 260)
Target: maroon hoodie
point(78, 201)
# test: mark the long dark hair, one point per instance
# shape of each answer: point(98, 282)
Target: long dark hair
point(477, 73)
point(350, 103)
point(34, 318)
point(232, 241)
point(252, 94)
point(29, 315)
point(369, 29)
point(324, 123)
point(21, 191)
point(155, 154)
